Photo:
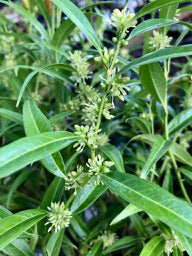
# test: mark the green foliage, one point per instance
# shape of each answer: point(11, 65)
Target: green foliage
point(95, 136)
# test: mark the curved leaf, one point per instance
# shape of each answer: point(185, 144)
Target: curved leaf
point(172, 52)
point(180, 121)
point(18, 248)
point(14, 116)
point(36, 122)
point(80, 20)
point(154, 247)
point(152, 199)
point(87, 196)
point(14, 225)
point(114, 155)
point(96, 250)
point(54, 244)
point(29, 149)
point(153, 24)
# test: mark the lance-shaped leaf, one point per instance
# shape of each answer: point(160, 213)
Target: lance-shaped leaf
point(180, 121)
point(18, 247)
point(87, 196)
point(114, 155)
point(36, 122)
point(29, 149)
point(54, 244)
point(153, 79)
point(14, 225)
point(173, 52)
point(154, 247)
point(160, 147)
point(150, 24)
point(80, 20)
point(96, 250)
point(14, 116)
point(153, 199)
point(124, 242)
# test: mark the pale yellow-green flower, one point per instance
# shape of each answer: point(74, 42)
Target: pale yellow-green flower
point(108, 238)
point(59, 217)
point(159, 41)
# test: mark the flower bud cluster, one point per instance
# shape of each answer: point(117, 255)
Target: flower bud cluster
point(108, 238)
point(87, 135)
point(159, 41)
point(75, 179)
point(119, 87)
point(59, 217)
point(98, 166)
point(170, 243)
point(81, 65)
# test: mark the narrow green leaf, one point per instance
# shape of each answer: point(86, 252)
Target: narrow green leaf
point(80, 20)
point(152, 199)
point(14, 116)
point(53, 246)
point(124, 242)
point(128, 211)
point(150, 24)
point(79, 227)
point(168, 12)
point(60, 116)
point(185, 241)
point(180, 121)
point(153, 80)
point(18, 247)
point(36, 122)
point(87, 196)
point(32, 20)
point(142, 123)
point(114, 155)
point(14, 225)
point(156, 5)
point(173, 52)
point(160, 147)
point(70, 161)
point(29, 149)
point(35, 72)
point(44, 11)
point(96, 250)
point(181, 154)
point(154, 247)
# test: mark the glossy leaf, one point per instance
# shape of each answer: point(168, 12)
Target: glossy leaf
point(54, 244)
point(96, 250)
point(36, 122)
point(124, 242)
point(14, 116)
point(114, 155)
point(153, 80)
point(187, 171)
point(152, 199)
point(128, 211)
point(87, 196)
point(180, 121)
point(150, 24)
point(154, 247)
point(168, 53)
point(29, 149)
point(18, 247)
point(14, 225)
point(160, 147)
point(80, 20)
point(181, 154)
point(79, 227)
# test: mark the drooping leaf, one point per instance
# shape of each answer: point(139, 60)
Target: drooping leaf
point(152, 199)
point(154, 247)
point(180, 121)
point(14, 225)
point(80, 20)
point(87, 196)
point(153, 80)
point(114, 155)
point(29, 149)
